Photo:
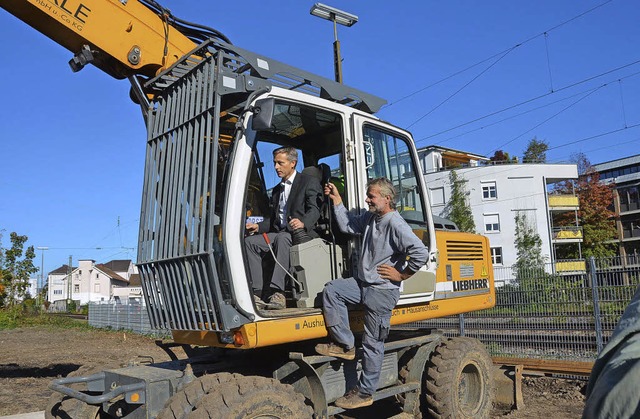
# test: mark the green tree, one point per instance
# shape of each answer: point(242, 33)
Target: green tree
point(595, 215)
point(458, 209)
point(502, 157)
point(530, 261)
point(16, 268)
point(536, 151)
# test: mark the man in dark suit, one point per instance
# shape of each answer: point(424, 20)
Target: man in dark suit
point(294, 205)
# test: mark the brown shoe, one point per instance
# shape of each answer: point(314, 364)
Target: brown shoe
point(331, 349)
point(277, 301)
point(354, 399)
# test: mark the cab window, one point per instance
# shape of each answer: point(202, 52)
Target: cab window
point(387, 155)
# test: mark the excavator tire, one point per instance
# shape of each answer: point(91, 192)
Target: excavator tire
point(458, 380)
point(223, 396)
point(65, 407)
point(182, 404)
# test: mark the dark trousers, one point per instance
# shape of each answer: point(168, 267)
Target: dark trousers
point(257, 249)
point(378, 306)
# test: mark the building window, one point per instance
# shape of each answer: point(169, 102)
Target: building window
point(96, 288)
point(57, 292)
point(496, 255)
point(491, 223)
point(437, 196)
point(76, 288)
point(489, 190)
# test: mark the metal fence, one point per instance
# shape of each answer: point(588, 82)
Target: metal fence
point(133, 317)
point(565, 311)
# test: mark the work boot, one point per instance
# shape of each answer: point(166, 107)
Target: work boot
point(331, 349)
point(277, 301)
point(354, 399)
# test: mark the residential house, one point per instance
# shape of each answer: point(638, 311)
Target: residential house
point(90, 282)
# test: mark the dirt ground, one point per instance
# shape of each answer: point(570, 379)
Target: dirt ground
point(31, 357)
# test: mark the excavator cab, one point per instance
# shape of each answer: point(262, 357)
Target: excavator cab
point(218, 115)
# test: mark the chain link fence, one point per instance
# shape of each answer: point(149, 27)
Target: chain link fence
point(562, 311)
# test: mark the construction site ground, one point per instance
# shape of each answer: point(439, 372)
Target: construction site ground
point(30, 358)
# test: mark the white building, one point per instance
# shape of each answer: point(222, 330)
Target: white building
point(497, 193)
point(32, 289)
point(91, 282)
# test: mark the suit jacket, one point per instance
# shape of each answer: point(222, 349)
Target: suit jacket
point(304, 203)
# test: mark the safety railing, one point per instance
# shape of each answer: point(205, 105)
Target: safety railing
point(544, 314)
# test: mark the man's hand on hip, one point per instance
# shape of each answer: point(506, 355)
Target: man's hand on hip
point(392, 274)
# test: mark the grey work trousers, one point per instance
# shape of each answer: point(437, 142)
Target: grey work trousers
point(378, 305)
point(257, 248)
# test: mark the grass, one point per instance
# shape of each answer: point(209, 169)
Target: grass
point(16, 318)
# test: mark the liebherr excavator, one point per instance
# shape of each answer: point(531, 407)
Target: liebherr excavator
point(214, 113)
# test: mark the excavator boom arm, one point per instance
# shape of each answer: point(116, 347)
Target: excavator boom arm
point(124, 38)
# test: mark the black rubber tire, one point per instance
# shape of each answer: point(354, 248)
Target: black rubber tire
point(65, 407)
point(223, 396)
point(183, 403)
point(459, 381)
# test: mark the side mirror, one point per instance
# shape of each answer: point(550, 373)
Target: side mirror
point(262, 114)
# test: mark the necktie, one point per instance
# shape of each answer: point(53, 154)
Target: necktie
point(282, 202)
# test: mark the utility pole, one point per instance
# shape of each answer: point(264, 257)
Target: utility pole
point(69, 270)
point(40, 286)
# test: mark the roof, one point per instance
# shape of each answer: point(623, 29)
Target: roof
point(109, 272)
point(625, 161)
point(446, 150)
point(63, 270)
point(119, 265)
point(134, 280)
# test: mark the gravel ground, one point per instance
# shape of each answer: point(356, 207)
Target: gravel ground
point(31, 357)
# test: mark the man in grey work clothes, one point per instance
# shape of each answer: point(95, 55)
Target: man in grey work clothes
point(390, 254)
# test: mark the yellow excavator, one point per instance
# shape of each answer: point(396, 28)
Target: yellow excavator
point(214, 113)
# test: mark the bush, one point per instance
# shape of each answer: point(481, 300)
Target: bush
point(16, 317)
point(72, 307)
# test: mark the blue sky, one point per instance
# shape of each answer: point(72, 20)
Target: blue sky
point(470, 75)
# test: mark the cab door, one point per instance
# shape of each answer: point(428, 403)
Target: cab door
point(382, 150)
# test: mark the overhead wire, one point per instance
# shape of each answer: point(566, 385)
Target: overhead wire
point(516, 115)
point(460, 89)
point(501, 54)
point(533, 99)
point(547, 120)
point(515, 166)
point(496, 54)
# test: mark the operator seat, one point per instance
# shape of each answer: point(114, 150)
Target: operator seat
point(322, 172)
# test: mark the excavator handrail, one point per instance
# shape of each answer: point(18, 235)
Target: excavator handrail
point(254, 70)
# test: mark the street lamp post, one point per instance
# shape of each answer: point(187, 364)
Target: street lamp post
point(41, 285)
point(338, 17)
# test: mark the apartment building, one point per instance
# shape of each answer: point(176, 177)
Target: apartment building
point(625, 175)
point(497, 193)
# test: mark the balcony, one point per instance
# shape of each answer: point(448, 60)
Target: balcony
point(570, 266)
point(630, 233)
point(563, 202)
point(629, 207)
point(567, 234)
